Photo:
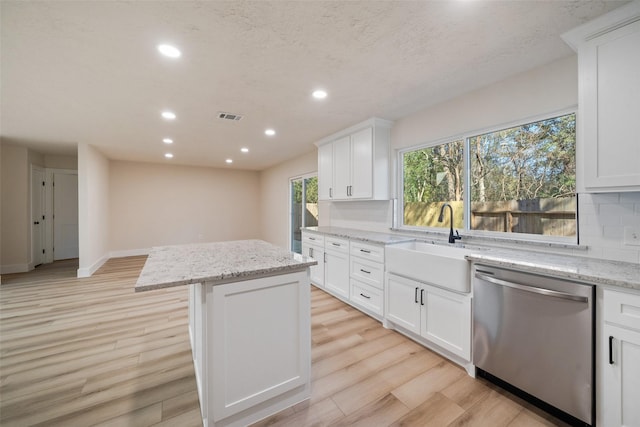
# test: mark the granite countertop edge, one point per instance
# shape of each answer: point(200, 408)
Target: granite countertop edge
point(222, 279)
point(567, 269)
point(217, 263)
point(361, 235)
point(619, 275)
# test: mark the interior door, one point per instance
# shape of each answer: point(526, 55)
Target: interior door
point(65, 216)
point(37, 216)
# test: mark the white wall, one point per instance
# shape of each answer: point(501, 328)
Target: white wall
point(274, 197)
point(157, 204)
point(93, 209)
point(541, 91)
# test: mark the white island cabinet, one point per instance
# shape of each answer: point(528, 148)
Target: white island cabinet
point(249, 324)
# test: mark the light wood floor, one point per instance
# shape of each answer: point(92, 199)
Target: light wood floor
point(78, 352)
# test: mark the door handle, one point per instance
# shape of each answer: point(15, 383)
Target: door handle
point(330, 193)
point(36, 222)
point(421, 296)
point(415, 295)
point(533, 289)
point(611, 361)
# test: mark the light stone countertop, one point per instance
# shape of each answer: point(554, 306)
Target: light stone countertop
point(591, 270)
point(363, 235)
point(217, 263)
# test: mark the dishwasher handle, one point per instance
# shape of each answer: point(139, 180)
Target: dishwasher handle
point(533, 289)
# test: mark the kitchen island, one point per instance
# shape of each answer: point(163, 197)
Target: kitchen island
point(249, 324)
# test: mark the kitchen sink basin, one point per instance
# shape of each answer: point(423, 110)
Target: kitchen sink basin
point(431, 263)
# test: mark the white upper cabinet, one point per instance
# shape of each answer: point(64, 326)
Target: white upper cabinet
point(608, 140)
point(325, 168)
point(354, 164)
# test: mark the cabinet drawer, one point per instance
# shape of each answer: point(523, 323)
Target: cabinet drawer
point(313, 239)
point(335, 244)
point(367, 271)
point(366, 296)
point(367, 251)
point(622, 308)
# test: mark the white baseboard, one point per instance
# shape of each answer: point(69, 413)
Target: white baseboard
point(88, 271)
point(129, 252)
point(14, 268)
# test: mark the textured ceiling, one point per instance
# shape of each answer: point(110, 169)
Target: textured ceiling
point(88, 72)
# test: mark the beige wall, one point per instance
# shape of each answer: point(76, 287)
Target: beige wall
point(93, 209)
point(60, 162)
point(274, 196)
point(155, 204)
point(15, 209)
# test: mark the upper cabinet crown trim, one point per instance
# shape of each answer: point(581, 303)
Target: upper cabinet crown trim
point(617, 18)
point(372, 122)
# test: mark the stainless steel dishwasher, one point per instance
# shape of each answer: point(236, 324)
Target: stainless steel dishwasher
point(535, 333)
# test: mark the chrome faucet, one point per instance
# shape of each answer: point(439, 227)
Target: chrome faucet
point(452, 238)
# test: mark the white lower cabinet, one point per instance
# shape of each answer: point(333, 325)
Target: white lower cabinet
point(313, 246)
point(336, 267)
point(620, 360)
point(439, 316)
point(367, 297)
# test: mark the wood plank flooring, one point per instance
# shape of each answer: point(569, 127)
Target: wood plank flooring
point(80, 352)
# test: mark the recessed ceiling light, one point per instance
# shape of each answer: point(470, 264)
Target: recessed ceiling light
point(168, 141)
point(269, 132)
point(170, 51)
point(229, 161)
point(244, 149)
point(168, 115)
point(319, 94)
point(168, 155)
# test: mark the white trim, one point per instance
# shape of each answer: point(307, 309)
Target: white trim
point(129, 252)
point(49, 173)
point(14, 268)
point(465, 136)
point(88, 271)
point(302, 177)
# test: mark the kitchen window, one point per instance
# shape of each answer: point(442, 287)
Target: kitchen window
point(303, 208)
point(520, 179)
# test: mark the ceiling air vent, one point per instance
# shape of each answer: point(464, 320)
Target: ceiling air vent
point(229, 116)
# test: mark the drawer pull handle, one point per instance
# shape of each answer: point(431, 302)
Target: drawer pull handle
point(365, 271)
point(336, 244)
point(312, 238)
point(365, 251)
point(363, 295)
point(611, 350)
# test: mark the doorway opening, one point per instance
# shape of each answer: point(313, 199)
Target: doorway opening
point(303, 208)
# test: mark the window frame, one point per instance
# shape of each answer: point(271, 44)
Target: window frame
point(302, 177)
point(465, 137)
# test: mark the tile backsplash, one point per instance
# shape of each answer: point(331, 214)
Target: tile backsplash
point(603, 218)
